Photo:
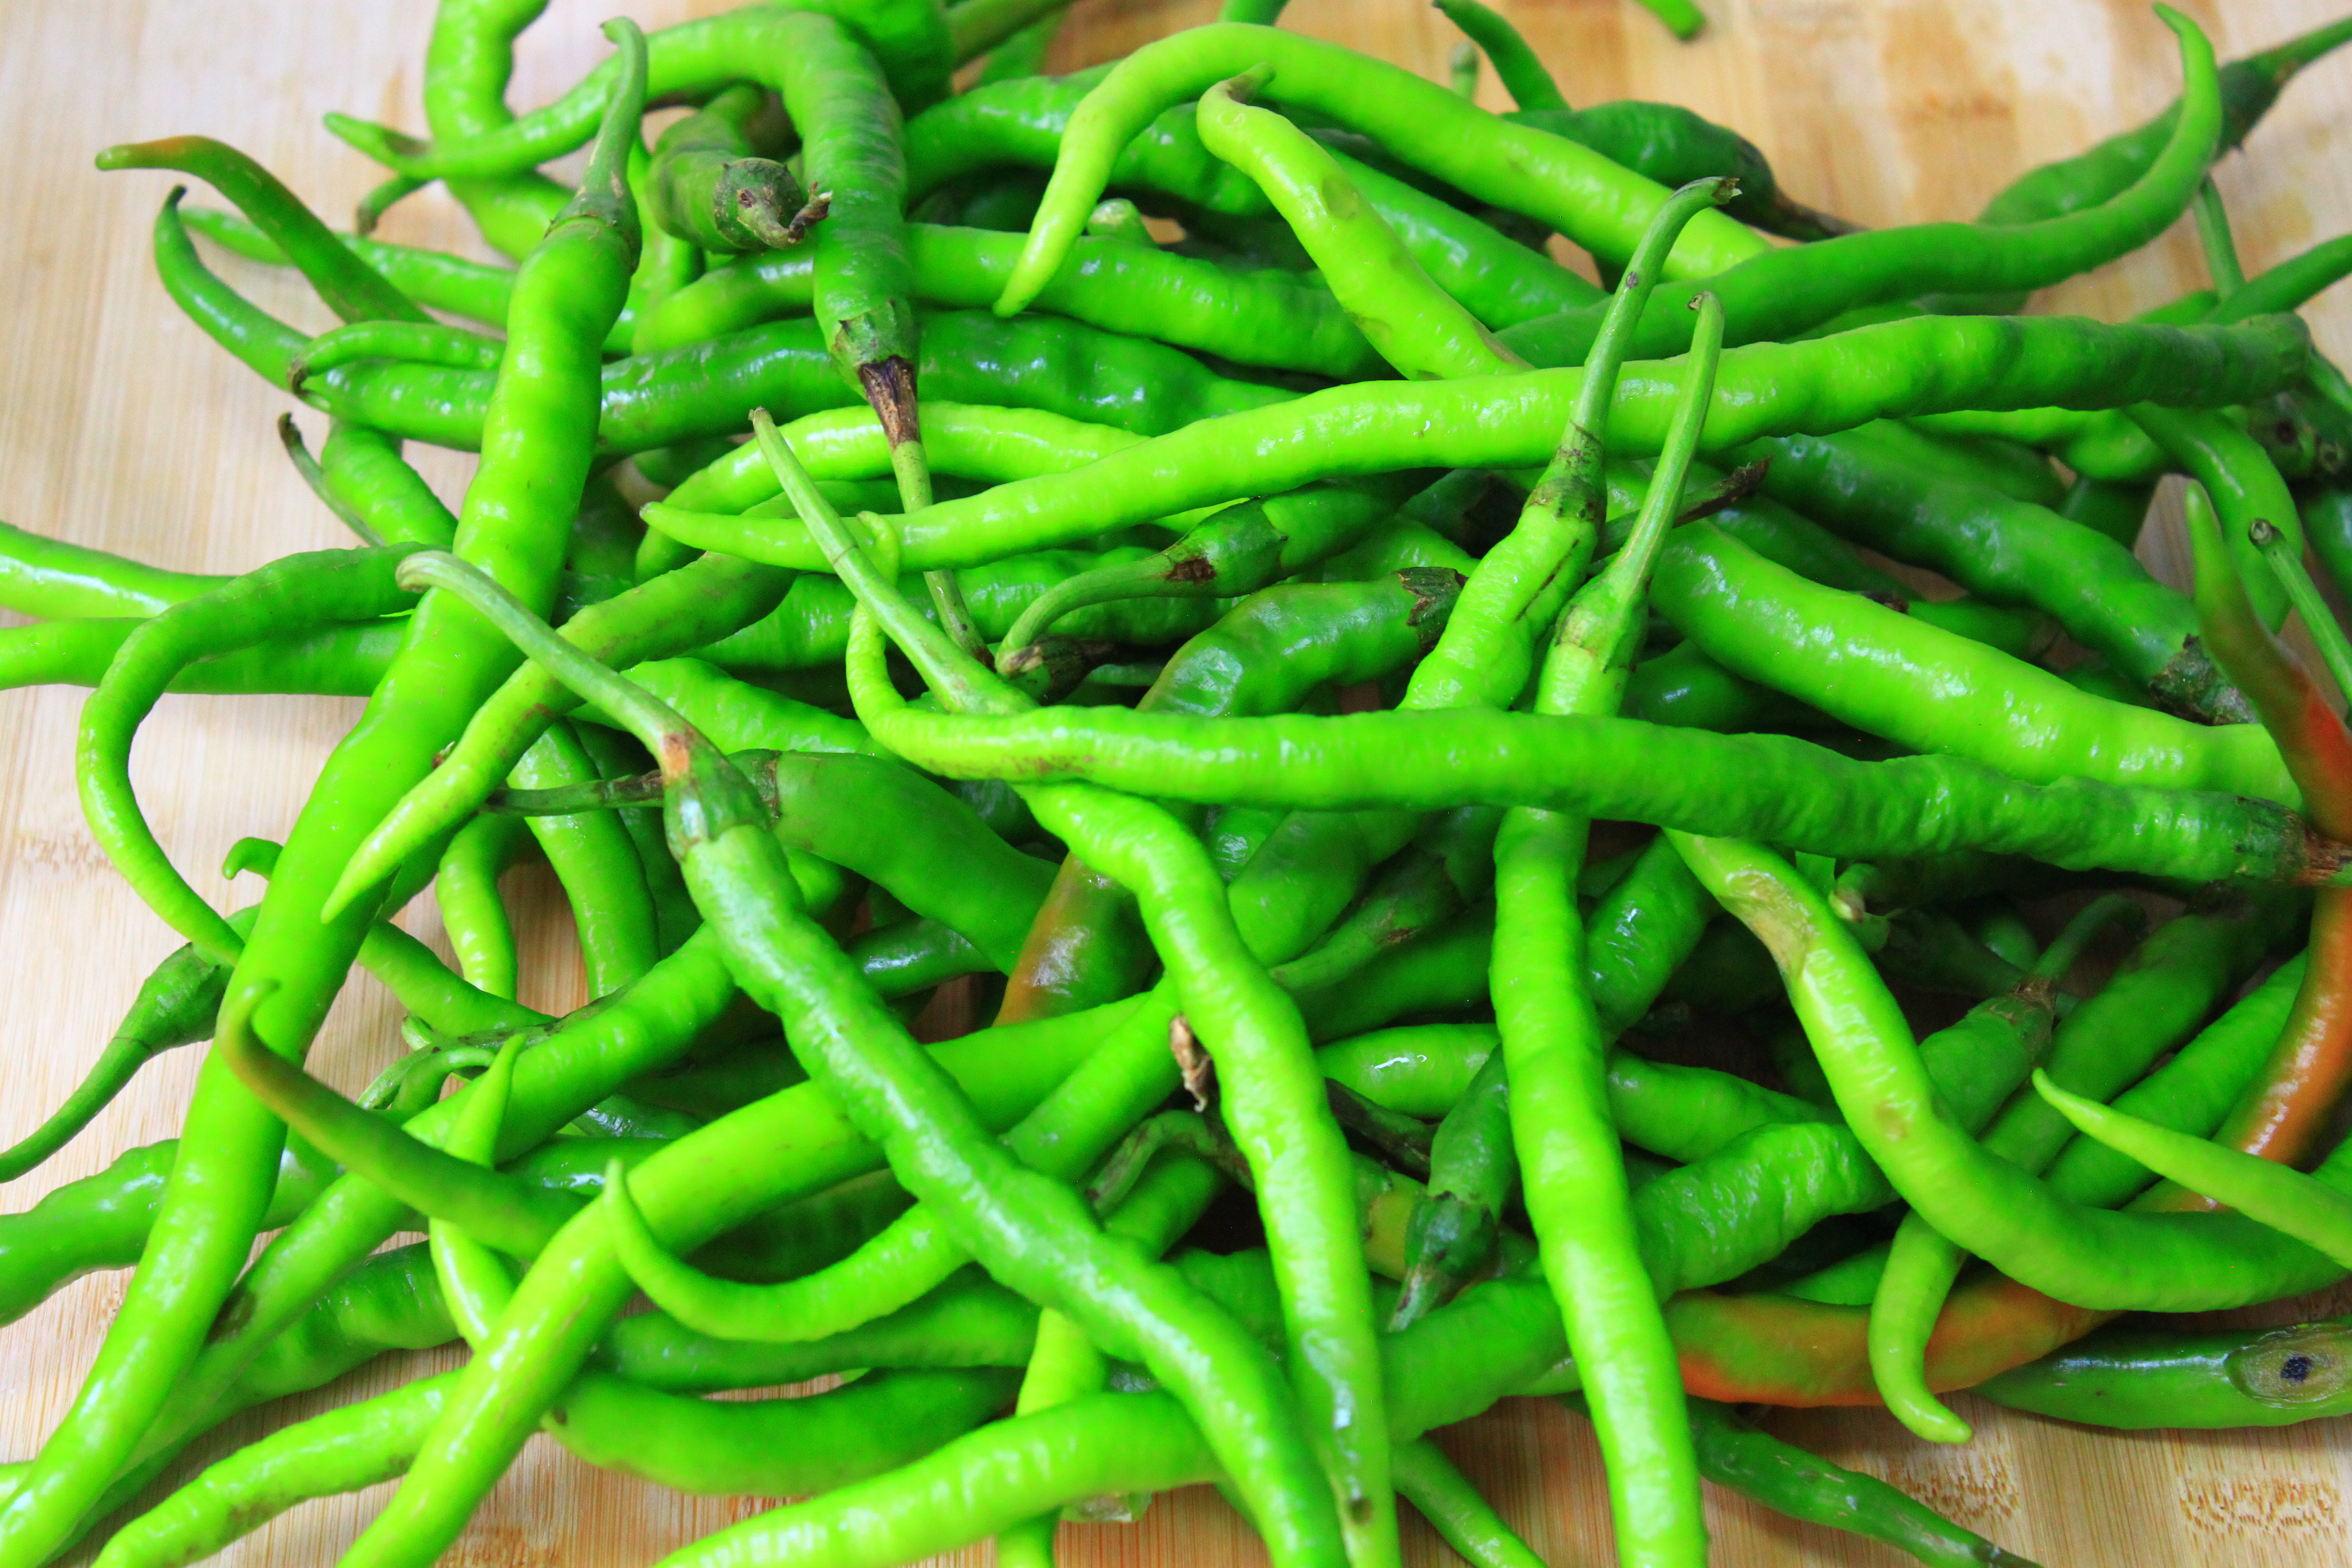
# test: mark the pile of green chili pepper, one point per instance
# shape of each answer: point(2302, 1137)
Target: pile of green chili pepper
point(1462, 872)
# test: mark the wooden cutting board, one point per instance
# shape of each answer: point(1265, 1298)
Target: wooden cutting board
point(121, 426)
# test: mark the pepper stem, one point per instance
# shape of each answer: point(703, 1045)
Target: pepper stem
point(2318, 619)
point(1593, 648)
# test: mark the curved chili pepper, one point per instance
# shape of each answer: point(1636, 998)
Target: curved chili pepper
point(1594, 201)
point(468, 62)
point(1415, 325)
point(1463, 1519)
point(352, 288)
point(1516, 64)
point(176, 1006)
point(466, 887)
point(707, 186)
point(2249, 86)
point(1788, 290)
point(433, 342)
point(2312, 1209)
point(334, 585)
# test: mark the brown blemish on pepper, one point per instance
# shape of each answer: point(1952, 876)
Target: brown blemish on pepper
point(1192, 1061)
point(889, 387)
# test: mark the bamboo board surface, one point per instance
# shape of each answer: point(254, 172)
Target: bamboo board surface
point(122, 427)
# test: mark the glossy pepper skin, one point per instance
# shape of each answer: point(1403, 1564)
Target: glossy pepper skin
point(2137, 1379)
point(2013, 552)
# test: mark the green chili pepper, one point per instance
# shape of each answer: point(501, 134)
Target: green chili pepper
point(593, 857)
point(2312, 1209)
point(332, 585)
point(1787, 1479)
point(174, 1006)
point(2248, 89)
point(468, 62)
point(2137, 1379)
point(361, 470)
point(352, 288)
point(51, 578)
point(466, 887)
point(1251, 318)
point(423, 344)
point(289, 435)
point(1673, 145)
point(1791, 792)
point(1870, 666)
point(1462, 1520)
point(2015, 553)
point(1764, 389)
point(706, 186)
point(1595, 203)
point(1785, 291)
point(470, 288)
point(1522, 74)
point(1471, 1170)
point(1413, 323)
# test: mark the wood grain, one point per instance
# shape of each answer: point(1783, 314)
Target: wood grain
point(124, 428)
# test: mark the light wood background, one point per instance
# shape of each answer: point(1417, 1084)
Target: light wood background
point(121, 425)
